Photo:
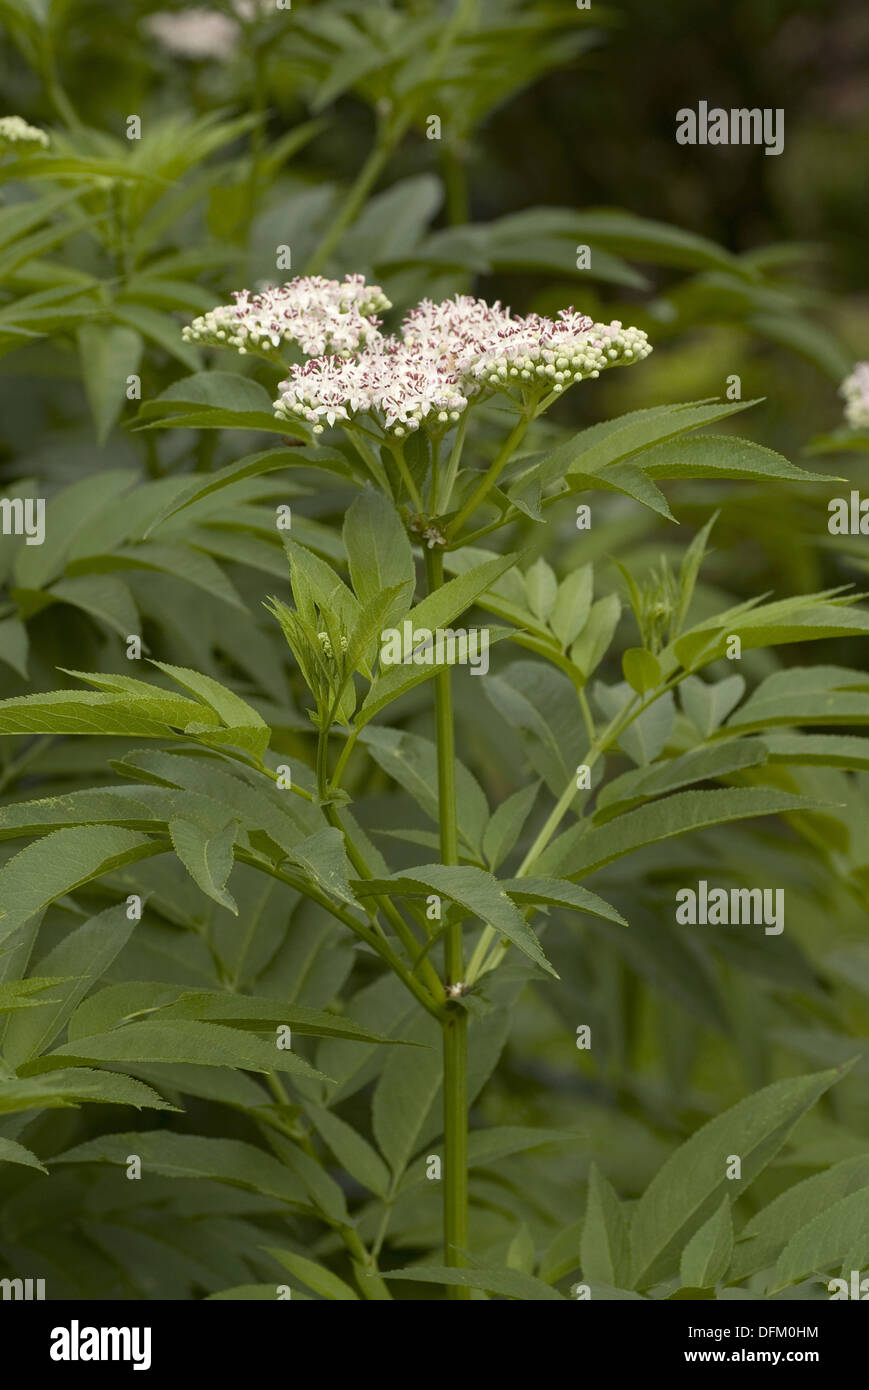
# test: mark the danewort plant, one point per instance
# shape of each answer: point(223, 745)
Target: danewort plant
point(436, 432)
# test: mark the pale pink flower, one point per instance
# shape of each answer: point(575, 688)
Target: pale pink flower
point(451, 352)
point(321, 316)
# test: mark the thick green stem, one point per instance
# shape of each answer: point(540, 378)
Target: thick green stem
point(455, 1043)
point(455, 1021)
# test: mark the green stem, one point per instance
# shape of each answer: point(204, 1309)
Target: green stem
point(397, 451)
point(490, 477)
point(435, 471)
point(372, 463)
point(442, 499)
point(455, 1043)
point(386, 906)
point(454, 1024)
point(388, 137)
point(364, 1267)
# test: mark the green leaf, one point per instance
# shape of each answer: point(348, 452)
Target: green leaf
point(542, 588)
point(10, 1152)
point(14, 645)
point(707, 1255)
point(612, 441)
point(578, 852)
point(75, 1086)
point(641, 670)
point(412, 762)
point(840, 1233)
point(214, 400)
point(722, 456)
point(805, 695)
point(698, 765)
point(707, 706)
point(605, 1245)
point(521, 1252)
point(61, 862)
point(255, 1012)
point(507, 1283)
point(764, 1237)
point(691, 1184)
point(101, 596)
point(109, 353)
point(505, 826)
point(190, 1156)
point(254, 466)
point(352, 1151)
point(316, 1276)
point(248, 729)
point(555, 892)
point(207, 857)
point(572, 605)
point(182, 1040)
point(593, 642)
point(82, 956)
point(436, 610)
point(470, 887)
point(378, 551)
point(818, 750)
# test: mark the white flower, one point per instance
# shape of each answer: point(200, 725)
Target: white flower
point(449, 353)
point(14, 130)
point(855, 389)
point(322, 316)
point(196, 33)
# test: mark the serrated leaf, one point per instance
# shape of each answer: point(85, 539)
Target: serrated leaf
point(689, 1187)
point(472, 888)
point(11, 1152)
point(208, 858)
point(190, 1156)
point(579, 852)
point(316, 1276)
point(75, 1086)
point(191, 1042)
point(605, 1245)
point(707, 1255)
point(61, 862)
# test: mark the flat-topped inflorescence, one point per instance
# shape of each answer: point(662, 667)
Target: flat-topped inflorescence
point(450, 353)
point(14, 130)
point(320, 316)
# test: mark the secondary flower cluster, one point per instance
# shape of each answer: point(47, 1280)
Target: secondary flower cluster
point(322, 316)
point(201, 33)
point(14, 130)
point(855, 389)
point(446, 355)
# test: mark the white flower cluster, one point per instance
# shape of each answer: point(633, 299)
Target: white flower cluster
point(194, 34)
point(200, 33)
point(14, 130)
point(855, 389)
point(322, 316)
point(449, 353)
